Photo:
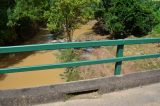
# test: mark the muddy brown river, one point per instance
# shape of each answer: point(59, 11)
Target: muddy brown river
point(35, 78)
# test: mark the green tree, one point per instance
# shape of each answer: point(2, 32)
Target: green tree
point(156, 7)
point(7, 34)
point(24, 17)
point(66, 14)
point(34, 9)
point(128, 17)
point(69, 55)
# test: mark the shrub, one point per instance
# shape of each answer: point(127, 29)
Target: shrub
point(26, 28)
point(69, 55)
point(7, 34)
point(156, 7)
point(126, 17)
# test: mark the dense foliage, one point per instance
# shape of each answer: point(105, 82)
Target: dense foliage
point(25, 17)
point(127, 17)
point(66, 14)
point(156, 7)
point(7, 34)
point(33, 9)
point(20, 18)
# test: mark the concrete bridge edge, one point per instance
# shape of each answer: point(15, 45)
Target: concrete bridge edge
point(58, 92)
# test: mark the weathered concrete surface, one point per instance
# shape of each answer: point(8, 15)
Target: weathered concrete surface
point(140, 96)
point(52, 93)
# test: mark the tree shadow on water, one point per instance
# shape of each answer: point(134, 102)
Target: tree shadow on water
point(7, 60)
point(2, 76)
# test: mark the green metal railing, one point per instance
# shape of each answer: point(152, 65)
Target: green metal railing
point(118, 59)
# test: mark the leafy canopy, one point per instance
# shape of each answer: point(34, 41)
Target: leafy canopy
point(126, 17)
point(33, 9)
point(66, 14)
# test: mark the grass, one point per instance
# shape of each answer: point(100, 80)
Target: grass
point(146, 64)
point(127, 67)
point(102, 70)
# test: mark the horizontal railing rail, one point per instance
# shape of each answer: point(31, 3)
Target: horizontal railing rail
point(68, 45)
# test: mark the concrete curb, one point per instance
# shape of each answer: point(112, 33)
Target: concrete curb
point(52, 93)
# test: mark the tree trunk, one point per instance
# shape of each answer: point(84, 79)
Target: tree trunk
point(69, 30)
point(69, 35)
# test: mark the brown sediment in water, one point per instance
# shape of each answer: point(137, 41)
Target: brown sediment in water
point(33, 78)
point(41, 77)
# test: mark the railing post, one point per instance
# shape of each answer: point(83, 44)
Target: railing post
point(118, 65)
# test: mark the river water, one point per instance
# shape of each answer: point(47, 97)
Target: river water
point(37, 78)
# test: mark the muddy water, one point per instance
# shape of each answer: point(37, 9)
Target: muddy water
point(37, 78)
point(31, 79)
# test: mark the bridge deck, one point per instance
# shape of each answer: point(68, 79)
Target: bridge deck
point(140, 96)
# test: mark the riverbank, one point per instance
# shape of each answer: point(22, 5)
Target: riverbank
point(102, 70)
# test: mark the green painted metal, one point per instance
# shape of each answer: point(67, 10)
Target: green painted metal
point(118, 59)
point(118, 65)
point(76, 64)
point(67, 45)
